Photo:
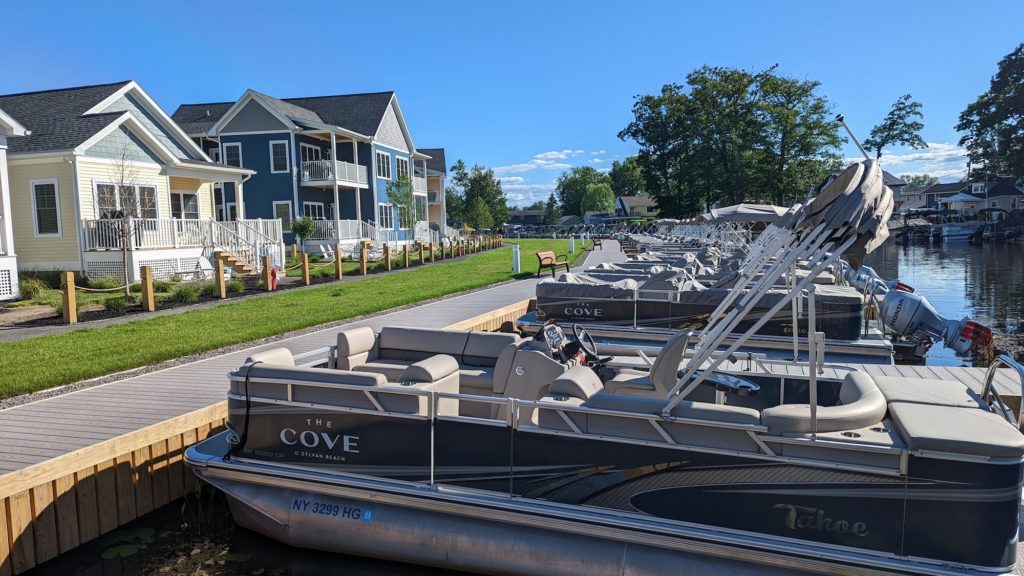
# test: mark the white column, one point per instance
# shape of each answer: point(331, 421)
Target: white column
point(337, 201)
point(355, 158)
point(239, 201)
point(7, 240)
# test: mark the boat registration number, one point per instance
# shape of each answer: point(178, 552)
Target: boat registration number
point(317, 508)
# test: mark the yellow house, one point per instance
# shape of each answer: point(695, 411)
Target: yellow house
point(9, 128)
point(104, 170)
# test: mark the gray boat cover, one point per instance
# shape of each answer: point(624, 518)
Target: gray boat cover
point(572, 285)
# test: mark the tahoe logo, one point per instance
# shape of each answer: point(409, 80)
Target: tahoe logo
point(807, 518)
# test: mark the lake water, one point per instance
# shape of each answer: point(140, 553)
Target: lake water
point(981, 281)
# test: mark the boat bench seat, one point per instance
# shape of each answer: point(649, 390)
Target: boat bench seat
point(956, 429)
point(928, 391)
point(861, 404)
point(275, 371)
point(478, 355)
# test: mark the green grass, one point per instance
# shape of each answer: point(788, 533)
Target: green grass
point(47, 361)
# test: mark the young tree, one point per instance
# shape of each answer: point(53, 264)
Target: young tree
point(479, 217)
point(551, 212)
point(626, 178)
point(400, 196)
point(572, 187)
point(598, 198)
point(900, 126)
point(303, 228)
point(479, 182)
point(994, 123)
point(125, 208)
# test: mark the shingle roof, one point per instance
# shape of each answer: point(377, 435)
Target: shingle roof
point(436, 162)
point(892, 180)
point(634, 201)
point(359, 113)
point(55, 116)
point(947, 188)
point(197, 119)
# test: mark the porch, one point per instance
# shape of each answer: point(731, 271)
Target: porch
point(326, 173)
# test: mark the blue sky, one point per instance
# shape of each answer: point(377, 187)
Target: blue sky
point(528, 88)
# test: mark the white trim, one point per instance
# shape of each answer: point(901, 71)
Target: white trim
point(378, 167)
point(319, 152)
point(378, 144)
point(35, 214)
point(96, 200)
point(398, 173)
point(248, 96)
point(323, 210)
point(153, 109)
point(391, 215)
point(287, 157)
point(224, 156)
point(199, 206)
point(11, 127)
point(228, 207)
point(281, 131)
point(291, 215)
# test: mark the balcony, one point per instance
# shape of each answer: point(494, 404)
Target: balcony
point(433, 197)
point(419, 185)
point(163, 233)
point(329, 172)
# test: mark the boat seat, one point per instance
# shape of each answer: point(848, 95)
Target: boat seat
point(928, 391)
point(662, 377)
point(955, 429)
point(577, 385)
point(861, 404)
point(391, 369)
point(281, 356)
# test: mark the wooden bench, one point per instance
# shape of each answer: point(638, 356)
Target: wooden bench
point(596, 243)
point(551, 261)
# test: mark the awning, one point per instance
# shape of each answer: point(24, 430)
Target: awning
point(960, 197)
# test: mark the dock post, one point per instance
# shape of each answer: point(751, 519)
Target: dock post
point(421, 252)
point(387, 256)
point(265, 273)
point(148, 299)
point(337, 261)
point(218, 278)
point(363, 256)
point(305, 269)
point(405, 254)
point(67, 288)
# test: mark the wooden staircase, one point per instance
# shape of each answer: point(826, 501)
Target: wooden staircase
point(233, 262)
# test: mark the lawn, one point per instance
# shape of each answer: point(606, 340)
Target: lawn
point(47, 361)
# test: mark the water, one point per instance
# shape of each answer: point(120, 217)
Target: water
point(981, 281)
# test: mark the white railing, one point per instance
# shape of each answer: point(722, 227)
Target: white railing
point(424, 233)
point(434, 196)
point(452, 233)
point(328, 230)
point(331, 170)
point(419, 184)
point(379, 235)
point(266, 238)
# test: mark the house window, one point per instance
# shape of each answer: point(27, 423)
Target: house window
point(314, 210)
point(278, 156)
point(283, 210)
point(233, 154)
point(384, 165)
point(46, 206)
point(232, 211)
point(978, 188)
point(402, 167)
point(184, 205)
point(132, 201)
point(405, 217)
point(385, 216)
point(215, 154)
point(309, 153)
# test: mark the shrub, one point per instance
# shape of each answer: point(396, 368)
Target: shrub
point(117, 304)
point(234, 287)
point(31, 288)
point(161, 286)
point(175, 278)
point(207, 289)
point(185, 294)
point(303, 228)
point(57, 303)
point(136, 287)
point(104, 282)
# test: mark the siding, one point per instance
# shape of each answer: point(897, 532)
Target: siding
point(253, 117)
point(119, 141)
point(46, 253)
point(203, 190)
point(263, 188)
point(390, 131)
point(90, 173)
point(130, 104)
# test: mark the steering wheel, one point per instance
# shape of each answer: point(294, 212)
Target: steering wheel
point(587, 342)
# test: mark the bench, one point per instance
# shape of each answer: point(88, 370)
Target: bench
point(550, 261)
point(596, 243)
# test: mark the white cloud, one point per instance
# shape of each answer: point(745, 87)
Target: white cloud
point(597, 160)
point(943, 160)
point(512, 180)
point(598, 152)
point(557, 154)
point(542, 163)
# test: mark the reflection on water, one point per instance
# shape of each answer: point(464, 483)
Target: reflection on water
point(981, 281)
point(197, 537)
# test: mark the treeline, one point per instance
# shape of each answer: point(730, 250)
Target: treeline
point(475, 198)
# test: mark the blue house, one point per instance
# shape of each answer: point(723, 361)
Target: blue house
point(328, 157)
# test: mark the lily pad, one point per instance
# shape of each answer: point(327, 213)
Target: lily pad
point(238, 557)
point(121, 551)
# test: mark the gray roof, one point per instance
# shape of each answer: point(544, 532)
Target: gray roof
point(55, 117)
point(361, 113)
point(891, 180)
point(436, 162)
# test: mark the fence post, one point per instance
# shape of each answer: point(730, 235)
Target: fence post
point(421, 252)
point(265, 273)
point(148, 299)
point(67, 287)
point(363, 256)
point(337, 261)
point(295, 250)
point(387, 256)
point(431, 251)
point(218, 277)
point(305, 269)
point(405, 254)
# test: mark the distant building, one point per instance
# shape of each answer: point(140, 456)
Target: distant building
point(998, 193)
point(636, 207)
point(526, 217)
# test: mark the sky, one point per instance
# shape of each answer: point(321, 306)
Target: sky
point(528, 88)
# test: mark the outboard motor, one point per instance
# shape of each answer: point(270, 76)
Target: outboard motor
point(911, 315)
point(866, 276)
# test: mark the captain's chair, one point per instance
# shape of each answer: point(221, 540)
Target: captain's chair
point(662, 377)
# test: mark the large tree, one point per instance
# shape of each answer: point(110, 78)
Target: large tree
point(598, 198)
point(729, 136)
point(626, 178)
point(902, 125)
point(538, 205)
point(471, 184)
point(993, 125)
point(551, 212)
point(918, 181)
point(572, 187)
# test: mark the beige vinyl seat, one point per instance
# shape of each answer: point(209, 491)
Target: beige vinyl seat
point(662, 377)
point(861, 404)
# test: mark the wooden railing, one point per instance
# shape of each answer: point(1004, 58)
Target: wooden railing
point(333, 170)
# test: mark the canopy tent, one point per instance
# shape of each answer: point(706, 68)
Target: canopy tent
point(960, 197)
point(747, 213)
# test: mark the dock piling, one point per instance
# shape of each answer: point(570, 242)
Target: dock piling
point(405, 255)
point(265, 273)
point(387, 256)
point(338, 272)
point(218, 277)
point(305, 269)
point(363, 255)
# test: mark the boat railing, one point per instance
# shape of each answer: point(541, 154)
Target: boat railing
point(991, 395)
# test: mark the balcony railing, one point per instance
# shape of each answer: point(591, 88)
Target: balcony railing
point(328, 230)
point(334, 171)
point(147, 233)
point(419, 185)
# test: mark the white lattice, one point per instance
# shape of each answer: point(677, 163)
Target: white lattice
point(188, 264)
point(6, 286)
point(104, 269)
point(164, 268)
